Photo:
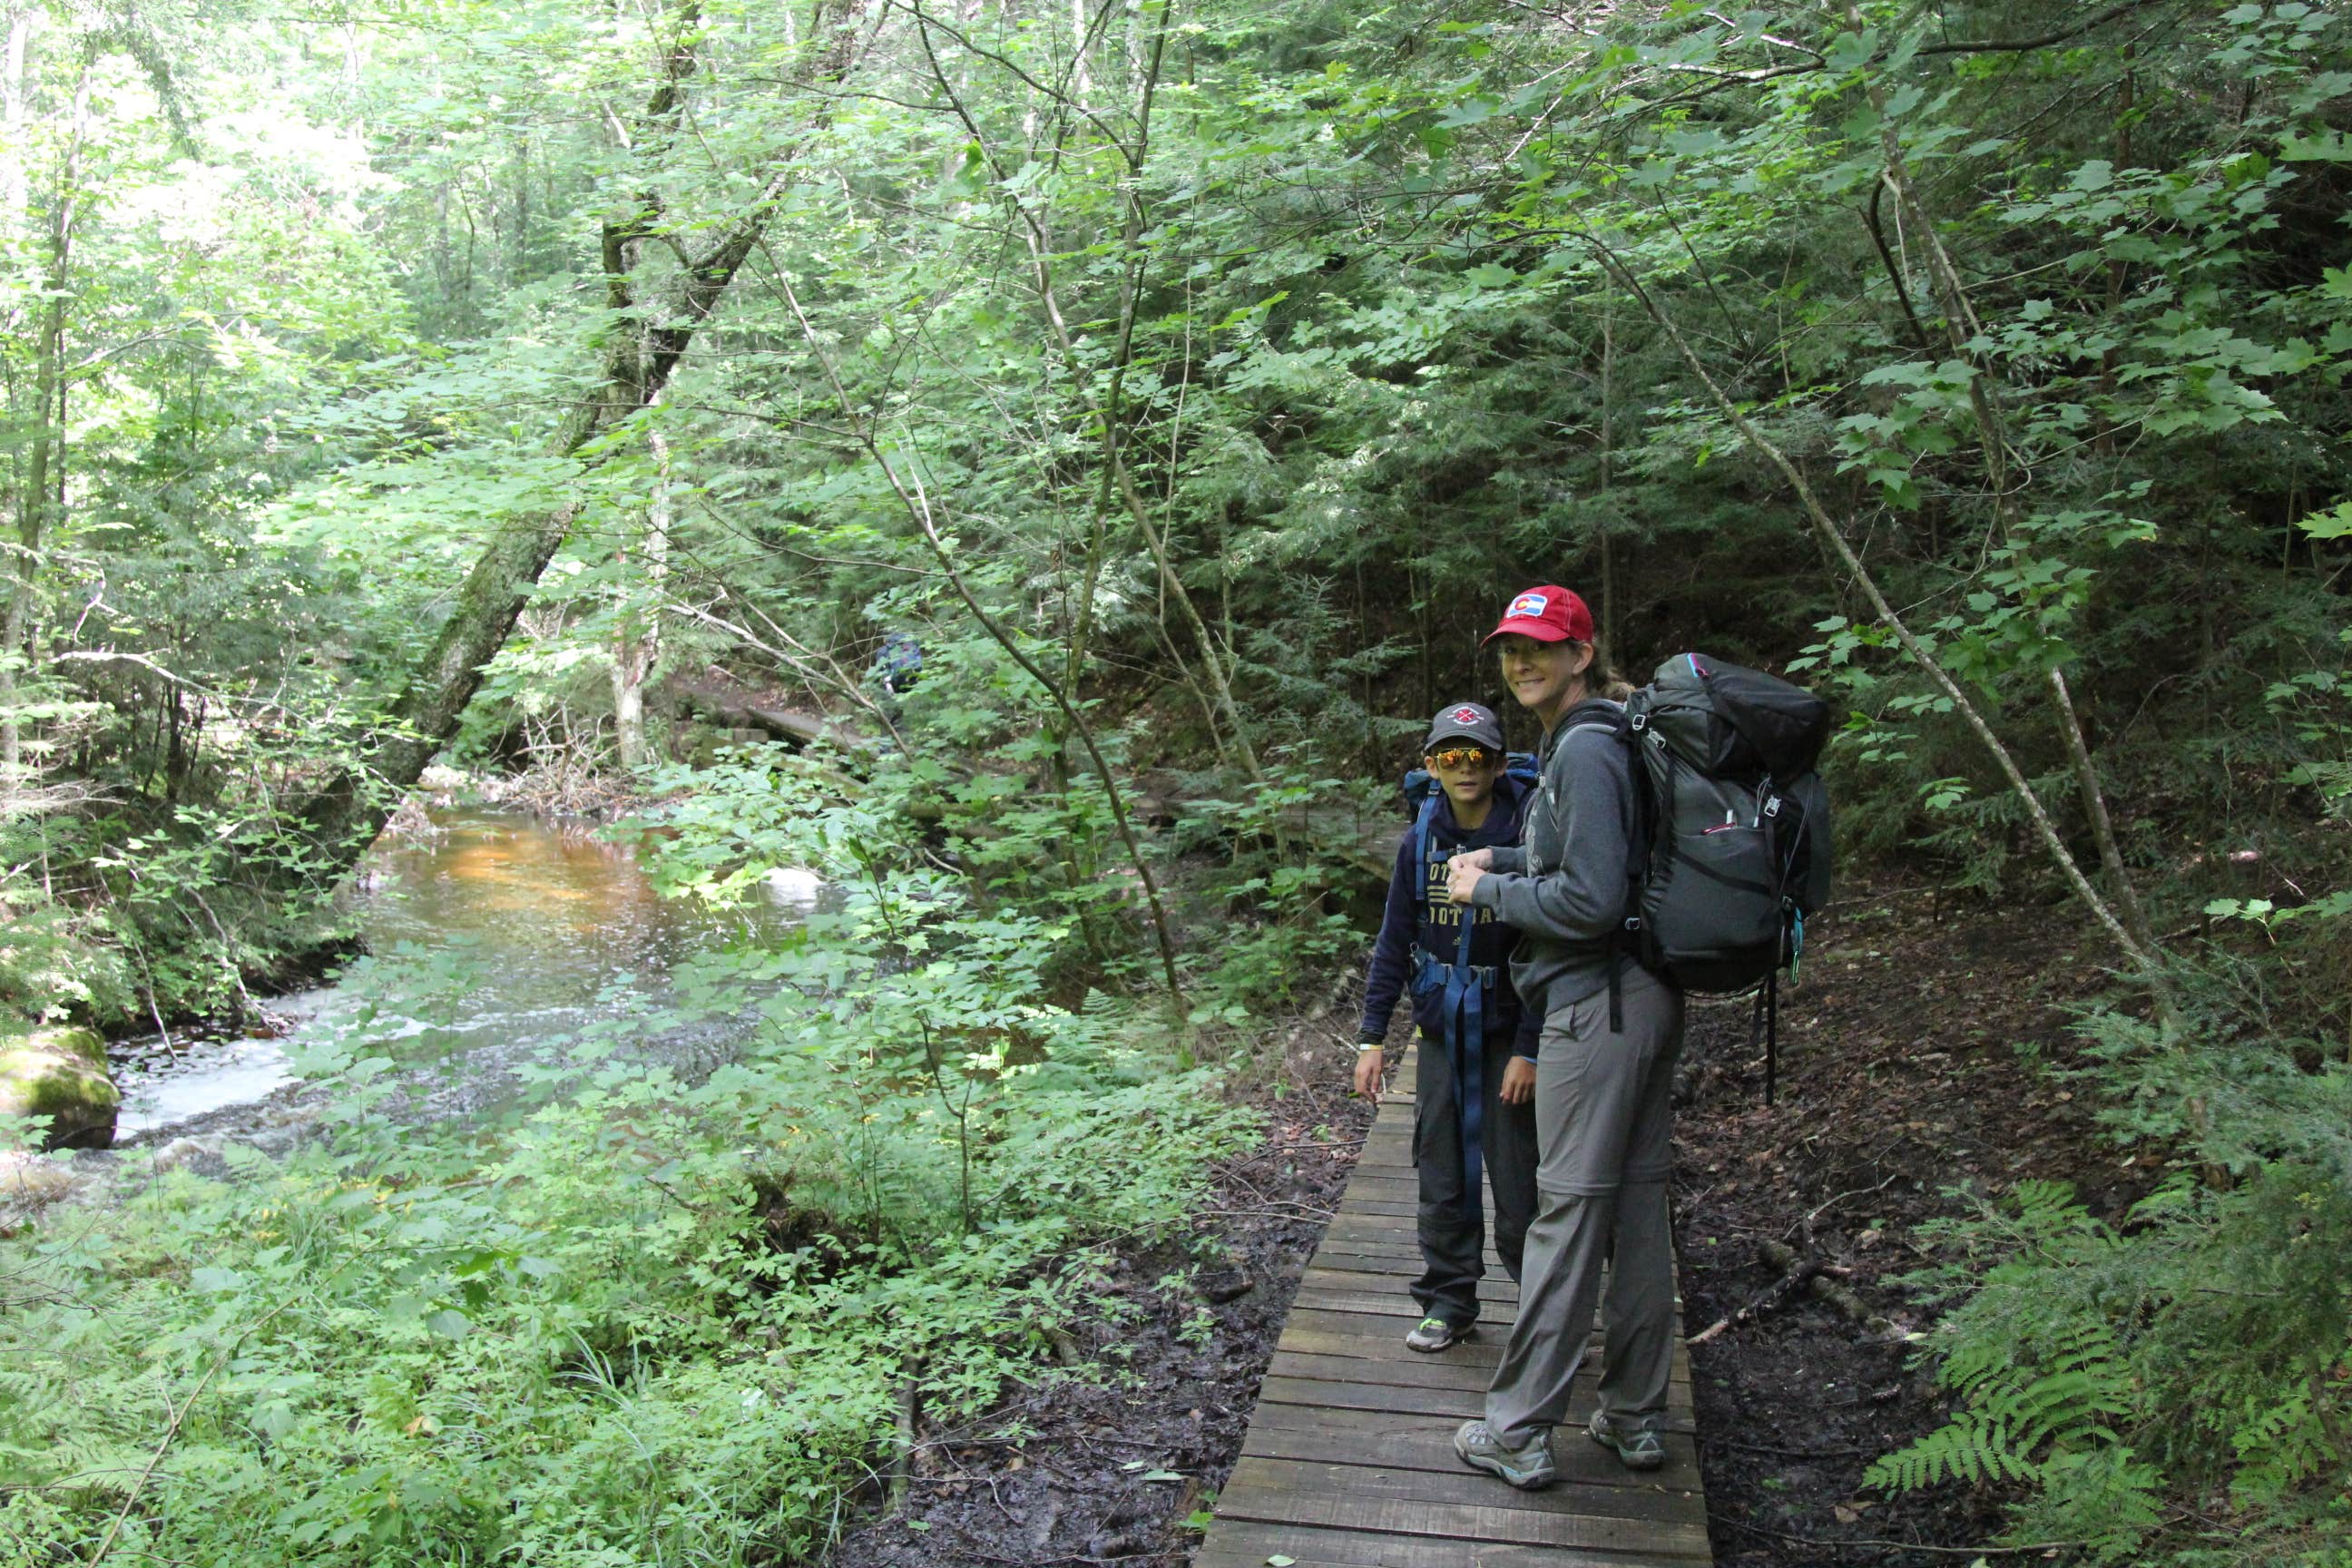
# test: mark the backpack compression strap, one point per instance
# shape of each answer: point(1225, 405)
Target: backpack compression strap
point(1462, 1015)
point(1465, 1016)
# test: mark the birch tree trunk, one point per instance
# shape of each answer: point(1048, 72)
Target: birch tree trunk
point(637, 645)
point(14, 204)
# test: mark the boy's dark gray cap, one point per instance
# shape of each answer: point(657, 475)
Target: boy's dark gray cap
point(1468, 721)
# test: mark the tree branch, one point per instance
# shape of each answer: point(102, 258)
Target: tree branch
point(2143, 958)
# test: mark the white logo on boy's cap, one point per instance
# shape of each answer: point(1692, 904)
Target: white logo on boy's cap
point(1528, 605)
point(1465, 715)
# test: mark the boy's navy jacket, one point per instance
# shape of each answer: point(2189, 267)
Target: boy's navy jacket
point(1434, 925)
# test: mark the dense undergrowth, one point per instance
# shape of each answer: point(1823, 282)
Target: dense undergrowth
point(2170, 1383)
point(658, 1321)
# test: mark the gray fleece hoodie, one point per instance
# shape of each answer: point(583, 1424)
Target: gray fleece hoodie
point(1564, 885)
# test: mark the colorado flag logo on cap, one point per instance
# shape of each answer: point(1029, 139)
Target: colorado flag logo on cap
point(1531, 606)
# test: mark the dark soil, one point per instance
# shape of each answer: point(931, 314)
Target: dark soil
point(1108, 1468)
point(1904, 1091)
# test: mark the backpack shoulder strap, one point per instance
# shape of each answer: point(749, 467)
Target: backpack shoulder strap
point(1641, 838)
point(1422, 821)
point(1594, 713)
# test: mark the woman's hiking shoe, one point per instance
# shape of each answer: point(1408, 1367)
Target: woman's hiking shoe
point(1529, 1469)
point(1636, 1447)
point(1433, 1334)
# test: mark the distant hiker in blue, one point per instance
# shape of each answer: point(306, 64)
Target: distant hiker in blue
point(1475, 1087)
point(897, 663)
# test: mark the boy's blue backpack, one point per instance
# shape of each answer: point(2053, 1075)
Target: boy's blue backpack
point(1464, 985)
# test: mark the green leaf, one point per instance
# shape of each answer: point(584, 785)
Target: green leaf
point(1473, 110)
point(2336, 522)
point(2325, 147)
point(1850, 51)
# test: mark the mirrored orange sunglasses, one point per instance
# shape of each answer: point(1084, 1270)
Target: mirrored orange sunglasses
point(1460, 756)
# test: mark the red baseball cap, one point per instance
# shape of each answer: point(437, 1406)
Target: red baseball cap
point(1549, 613)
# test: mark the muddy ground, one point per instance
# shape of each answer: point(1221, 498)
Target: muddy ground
point(1902, 1088)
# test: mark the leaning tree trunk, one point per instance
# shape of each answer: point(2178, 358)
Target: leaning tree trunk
point(646, 341)
point(636, 642)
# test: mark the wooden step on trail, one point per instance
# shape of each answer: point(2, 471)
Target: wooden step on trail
point(1348, 1461)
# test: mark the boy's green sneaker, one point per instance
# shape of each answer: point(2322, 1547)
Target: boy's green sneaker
point(1637, 1447)
point(1529, 1469)
point(1433, 1334)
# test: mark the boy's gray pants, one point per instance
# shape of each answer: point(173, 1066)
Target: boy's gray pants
point(1604, 1125)
point(1453, 1250)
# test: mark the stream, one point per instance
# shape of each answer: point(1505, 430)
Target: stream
point(494, 943)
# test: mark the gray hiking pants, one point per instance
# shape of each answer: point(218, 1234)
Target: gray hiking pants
point(1604, 1125)
point(1453, 1246)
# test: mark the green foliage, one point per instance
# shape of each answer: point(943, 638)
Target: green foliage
point(1232, 363)
point(2039, 1404)
point(2202, 1346)
point(662, 1319)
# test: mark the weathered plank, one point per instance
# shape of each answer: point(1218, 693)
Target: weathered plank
point(1242, 1544)
point(1348, 1461)
point(1481, 1350)
point(1327, 1276)
point(1337, 1394)
point(1502, 1519)
point(1427, 1443)
point(1398, 1260)
point(1390, 1304)
point(1430, 1372)
point(1462, 1488)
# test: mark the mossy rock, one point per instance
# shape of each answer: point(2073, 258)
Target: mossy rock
point(60, 1073)
point(697, 745)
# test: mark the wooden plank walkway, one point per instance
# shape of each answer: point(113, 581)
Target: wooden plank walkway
point(1348, 1461)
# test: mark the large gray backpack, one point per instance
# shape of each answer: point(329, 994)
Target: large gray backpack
point(1731, 843)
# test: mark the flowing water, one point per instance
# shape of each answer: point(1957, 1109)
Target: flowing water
point(496, 942)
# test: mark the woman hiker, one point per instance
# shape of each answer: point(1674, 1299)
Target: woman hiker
point(1602, 1108)
point(1473, 1090)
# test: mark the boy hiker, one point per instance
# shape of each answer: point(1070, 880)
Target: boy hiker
point(1474, 1087)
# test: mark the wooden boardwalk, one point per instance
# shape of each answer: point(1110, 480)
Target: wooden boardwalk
point(1349, 1461)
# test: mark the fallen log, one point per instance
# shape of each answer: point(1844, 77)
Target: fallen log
point(1811, 1275)
point(799, 728)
